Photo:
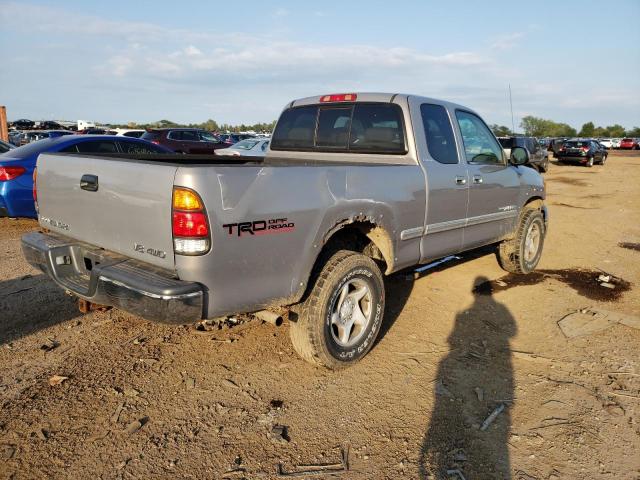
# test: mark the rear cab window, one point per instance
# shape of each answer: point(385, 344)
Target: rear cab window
point(344, 127)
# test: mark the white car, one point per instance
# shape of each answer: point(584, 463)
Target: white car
point(615, 142)
point(130, 132)
point(606, 143)
point(251, 147)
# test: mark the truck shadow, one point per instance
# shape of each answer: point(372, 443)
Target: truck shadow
point(32, 303)
point(473, 381)
point(398, 287)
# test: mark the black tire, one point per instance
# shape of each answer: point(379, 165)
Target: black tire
point(314, 335)
point(589, 163)
point(512, 255)
point(604, 159)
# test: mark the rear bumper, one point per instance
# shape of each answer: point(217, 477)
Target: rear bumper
point(107, 278)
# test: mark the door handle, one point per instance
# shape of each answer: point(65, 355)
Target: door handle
point(477, 179)
point(461, 181)
point(89, 183)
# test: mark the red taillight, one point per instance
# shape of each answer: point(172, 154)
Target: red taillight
point(35, 188)
point(9, 173)
point(339, 97)
point(585, 149)
point(187, 224)
point(155, 141)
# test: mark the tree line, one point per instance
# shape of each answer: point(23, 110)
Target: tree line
point(540, 127)
point(209, 125)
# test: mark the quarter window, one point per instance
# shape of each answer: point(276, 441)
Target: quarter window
point(480, 146)
point(437, 129)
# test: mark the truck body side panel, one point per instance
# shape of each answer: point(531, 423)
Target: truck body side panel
point(290, 210)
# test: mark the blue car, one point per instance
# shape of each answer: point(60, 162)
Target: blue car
point(17, 165)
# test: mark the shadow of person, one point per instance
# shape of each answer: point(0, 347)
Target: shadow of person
point(473, 380)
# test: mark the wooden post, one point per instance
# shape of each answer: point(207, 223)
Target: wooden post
point(4, 129)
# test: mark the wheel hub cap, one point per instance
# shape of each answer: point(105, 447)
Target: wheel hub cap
point(351, 312)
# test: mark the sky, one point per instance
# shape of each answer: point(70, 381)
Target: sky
point(142, 61)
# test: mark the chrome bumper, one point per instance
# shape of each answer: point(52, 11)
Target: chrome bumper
point(107, 278)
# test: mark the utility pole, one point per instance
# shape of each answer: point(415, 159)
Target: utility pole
point(513, 125)
point(4, 128)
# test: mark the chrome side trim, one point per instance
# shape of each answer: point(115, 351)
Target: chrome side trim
point(410, 233)
point(464, 222)
point(445, 226)
point(491, 217)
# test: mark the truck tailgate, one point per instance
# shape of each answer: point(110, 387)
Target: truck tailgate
point(128, 213)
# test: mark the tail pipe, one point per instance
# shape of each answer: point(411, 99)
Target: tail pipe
point(270, 317)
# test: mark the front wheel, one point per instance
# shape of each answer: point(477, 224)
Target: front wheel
point(522, 253)
point(340, 318)
point(604, 159)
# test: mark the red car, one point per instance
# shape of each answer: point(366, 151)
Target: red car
point(629, 144)
point(184, 140)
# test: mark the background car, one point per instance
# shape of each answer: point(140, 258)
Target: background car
point(23, 124)
point(6, 146)
point(629, 144)
point(615, 142)
point(583, 151)
point(555, 145)
point(606, 143)
point(130, 132)
point(251, 147)
point(538, 157)
point(50, 125)
point(35, 135)
point(14, 137)
point(233, 138)
point(185, 140)
point(16, 166)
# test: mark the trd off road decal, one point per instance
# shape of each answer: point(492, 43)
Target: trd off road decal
point(260, 227)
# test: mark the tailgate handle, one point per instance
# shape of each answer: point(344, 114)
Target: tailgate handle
point(89, 183)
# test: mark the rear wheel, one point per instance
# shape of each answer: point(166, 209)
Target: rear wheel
point(341, 317)
point(522, 253)
point(589, 162)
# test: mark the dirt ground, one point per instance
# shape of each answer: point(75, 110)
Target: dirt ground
point(150, 401)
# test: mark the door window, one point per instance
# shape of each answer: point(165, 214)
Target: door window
point(437, 129)
point(480, 146)
point(208, 137)
point(190, 136)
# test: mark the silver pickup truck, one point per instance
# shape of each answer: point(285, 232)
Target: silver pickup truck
point(353, 186)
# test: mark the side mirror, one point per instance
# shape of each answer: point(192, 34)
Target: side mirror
point(519, 156)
